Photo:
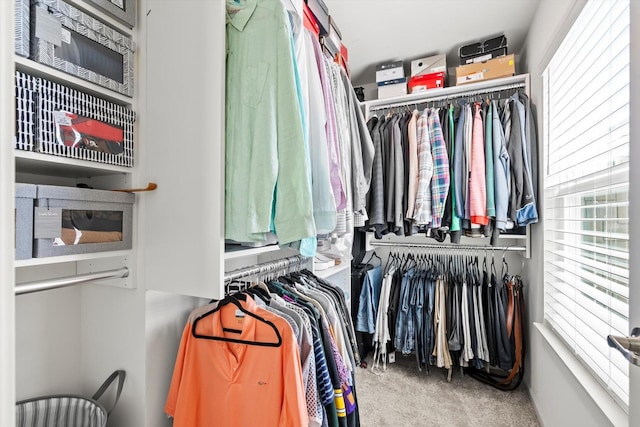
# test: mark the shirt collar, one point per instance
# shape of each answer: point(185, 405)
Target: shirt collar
point(243, 9)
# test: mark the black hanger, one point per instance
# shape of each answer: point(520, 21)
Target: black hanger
point(234, 299)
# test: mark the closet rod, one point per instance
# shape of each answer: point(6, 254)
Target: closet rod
point(45, 285)
point(266, 267)
point(462, 247)
point(448, 97)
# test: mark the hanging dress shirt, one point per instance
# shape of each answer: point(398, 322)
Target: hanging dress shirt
point(423, 212)
point(440, 179)
point(266, 183)
point(413, 164)
point(324, 205)
point(477, 180)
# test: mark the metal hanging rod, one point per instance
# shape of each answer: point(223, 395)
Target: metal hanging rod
point(428, 99)
point(453, 246)
point(45, 285)
point(296, 261)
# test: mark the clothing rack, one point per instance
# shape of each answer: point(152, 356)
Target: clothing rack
point(451, 93)
point(45, 285)
point(269, 268)
point(461, 247)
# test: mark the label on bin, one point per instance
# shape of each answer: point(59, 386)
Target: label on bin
point(47, 223)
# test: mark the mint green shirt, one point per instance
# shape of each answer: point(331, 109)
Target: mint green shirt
point(266, 182)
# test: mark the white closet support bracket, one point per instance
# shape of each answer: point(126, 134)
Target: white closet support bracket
point(44, 285)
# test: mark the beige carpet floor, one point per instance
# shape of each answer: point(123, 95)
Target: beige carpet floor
point(402, 396)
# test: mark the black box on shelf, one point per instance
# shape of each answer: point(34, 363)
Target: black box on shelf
point(483, 51)
point(24, 199)
point(70, 221)
point(69, 40)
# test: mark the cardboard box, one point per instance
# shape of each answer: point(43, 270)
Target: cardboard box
point(392, 90)
point(72, 41)
point(25, 196)
point(429, 65)
point(427, 81)
point(389, 71)
point(83, 220)
point(503, 66)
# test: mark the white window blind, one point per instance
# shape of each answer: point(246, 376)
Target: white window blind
point(586, 190)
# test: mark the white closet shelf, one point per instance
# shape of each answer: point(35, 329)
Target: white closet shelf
point(237, 251)
point(48, 164)
point(40, 70)
point(323, 274)
point(449, 91)
point(70, 258)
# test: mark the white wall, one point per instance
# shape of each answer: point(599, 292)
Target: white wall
point(7, 227)
point(558, 397)
point(166, 315)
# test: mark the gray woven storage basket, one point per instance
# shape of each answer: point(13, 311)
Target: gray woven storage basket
point(66, 410)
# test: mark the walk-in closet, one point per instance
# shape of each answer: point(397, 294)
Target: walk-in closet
point(337, 213)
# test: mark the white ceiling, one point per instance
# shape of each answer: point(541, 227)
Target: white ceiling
point(376, 31)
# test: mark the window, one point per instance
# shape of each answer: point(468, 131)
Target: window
point(586, 190)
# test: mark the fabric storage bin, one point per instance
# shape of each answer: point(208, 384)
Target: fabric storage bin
point(21, 30)
point(25, 196)
point(69, 40)
point(74, 124)
point(69, 409)
point(123, 10)
point(26, 89)
point(89, 221)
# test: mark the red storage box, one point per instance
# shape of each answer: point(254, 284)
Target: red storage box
point(426, 81)
point(310, 21)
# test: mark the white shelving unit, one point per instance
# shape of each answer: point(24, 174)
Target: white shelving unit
point(433, 95)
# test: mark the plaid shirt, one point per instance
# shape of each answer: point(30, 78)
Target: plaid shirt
point(440, 180)
point(422, 212)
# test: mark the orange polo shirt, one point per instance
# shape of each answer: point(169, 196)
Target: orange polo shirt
point(219, 383)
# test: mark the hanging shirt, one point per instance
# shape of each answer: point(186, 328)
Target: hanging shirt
point(440, 179)
point(324, 204)
point(422, 214)
point(230, 384)
point(459, 160)
point(413, 164)
point(376, 190)
point(266, 183)
point(488, 159)
point(502, 172)
point(527, 212)
point(477, 179)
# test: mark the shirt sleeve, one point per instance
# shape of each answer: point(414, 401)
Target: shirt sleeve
point(294, 406)
point(174, 388)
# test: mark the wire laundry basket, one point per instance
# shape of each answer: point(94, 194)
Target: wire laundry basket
point(67, 410)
